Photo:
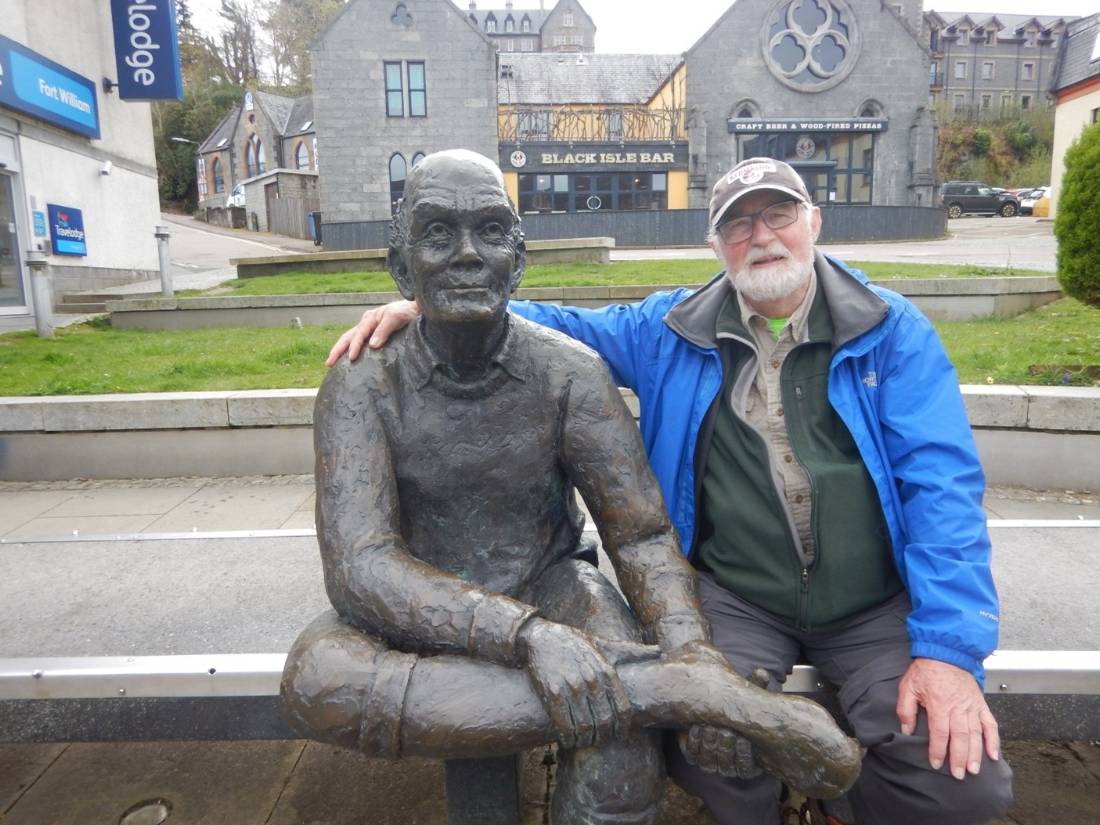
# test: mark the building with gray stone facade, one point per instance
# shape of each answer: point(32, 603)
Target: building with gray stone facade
point(838, 89)
point(984, 64)
point(565, 28)
point(393, 81)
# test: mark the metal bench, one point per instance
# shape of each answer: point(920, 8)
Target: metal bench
point(257, 589)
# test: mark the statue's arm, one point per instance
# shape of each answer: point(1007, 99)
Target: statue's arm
point(603, 452)
point(371, 578)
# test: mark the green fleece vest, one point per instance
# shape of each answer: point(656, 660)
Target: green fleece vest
point(747, 539)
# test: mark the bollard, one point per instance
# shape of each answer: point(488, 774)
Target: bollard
point(41, 294)
point(161, 234)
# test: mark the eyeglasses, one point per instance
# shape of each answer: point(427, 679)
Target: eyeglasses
point(776, 216)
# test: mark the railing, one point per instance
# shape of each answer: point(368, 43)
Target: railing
point(567, 124)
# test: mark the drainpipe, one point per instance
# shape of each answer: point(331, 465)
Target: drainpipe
point(41, 294)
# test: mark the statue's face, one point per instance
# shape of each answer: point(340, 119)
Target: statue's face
point(460, 253)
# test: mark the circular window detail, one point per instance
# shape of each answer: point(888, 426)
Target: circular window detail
point(810, 45)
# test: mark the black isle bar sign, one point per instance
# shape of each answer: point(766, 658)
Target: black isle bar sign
point(556, 157)
point(746, 126)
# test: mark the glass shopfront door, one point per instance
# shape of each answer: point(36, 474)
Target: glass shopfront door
point(11, 276)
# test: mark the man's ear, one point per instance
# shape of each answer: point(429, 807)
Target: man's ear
point(815, 222)
point(399, 271)
point(519, 266)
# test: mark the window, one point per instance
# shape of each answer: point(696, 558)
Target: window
point(935, 41)
point(1095, 116)
point(987, 70)
point(219, 181)
point(419, 156)
point(960, 101)
point(418, 93)
point(261, 166)
point(960, 70)
point(533, 126)
point(316, 163)
point(398, 172)
point(1029, 71)
point(509, 45)
point(254, 157)
point(615, 125)
point(1006, 100)
point(527, 45)
point(986, 101)
point(1025, 101)
point(301, 156)
point(200, 175)
point(934, 74)
point(745, 112)
point(395, 94)
point(491, 24)
point(1029, 38)
point(509, 24)
point(525, 25)
point(592, 192)
point(568, 21)
point(1095, 49)
point(962, 37)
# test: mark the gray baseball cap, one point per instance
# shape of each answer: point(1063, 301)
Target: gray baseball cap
point(752, 175)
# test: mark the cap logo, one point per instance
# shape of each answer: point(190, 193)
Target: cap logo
point(750, 173)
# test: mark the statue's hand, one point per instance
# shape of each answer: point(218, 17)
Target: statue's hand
point(713, 749)
point(579, 688)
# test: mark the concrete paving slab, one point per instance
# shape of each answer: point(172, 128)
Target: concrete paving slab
point(123, 502)
point(219, 507)
point(48, 527)
point(204, 783)
point(158, 597)
point(1088, 509)
point(304, 518)
point(19, 507)
point(20, 767)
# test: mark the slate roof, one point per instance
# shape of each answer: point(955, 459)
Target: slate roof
point(538, 17)
point(300, 115)
point(278, 108)
point(1009, 22)
point(1074, 63)
point(551, 78)
point(223, 131)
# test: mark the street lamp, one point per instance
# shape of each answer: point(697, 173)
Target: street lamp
point(178, 139)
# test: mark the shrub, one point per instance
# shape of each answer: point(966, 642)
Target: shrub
point(1077, 218)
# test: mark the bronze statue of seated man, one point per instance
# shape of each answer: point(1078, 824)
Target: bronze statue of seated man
point(467, 620)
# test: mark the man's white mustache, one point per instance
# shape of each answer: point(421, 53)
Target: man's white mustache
point(772, 250)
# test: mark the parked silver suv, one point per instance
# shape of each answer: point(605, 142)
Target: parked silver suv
point(969, 196)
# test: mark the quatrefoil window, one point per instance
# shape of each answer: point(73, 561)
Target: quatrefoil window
point(810, 45)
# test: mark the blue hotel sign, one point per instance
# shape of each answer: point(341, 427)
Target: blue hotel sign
point(66, 230)
point(147, 52)
point(36, 85)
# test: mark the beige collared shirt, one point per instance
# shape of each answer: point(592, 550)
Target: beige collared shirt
point(764, 405)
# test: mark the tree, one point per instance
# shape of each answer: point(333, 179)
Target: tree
point(1077, 219)
point(239, 47)
point(199, 59)
point(292, 26)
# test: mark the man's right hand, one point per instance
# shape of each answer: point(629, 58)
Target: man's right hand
point(374, 329)
point(578, 686)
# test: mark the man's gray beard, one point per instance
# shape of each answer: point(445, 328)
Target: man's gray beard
point(770, 283)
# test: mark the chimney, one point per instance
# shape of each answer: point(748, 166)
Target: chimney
point(473, 5)
point(508, 5)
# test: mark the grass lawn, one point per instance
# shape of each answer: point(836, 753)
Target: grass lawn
point(619, 273)
point(94, 358)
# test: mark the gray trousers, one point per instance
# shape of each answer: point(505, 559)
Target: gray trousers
point(865, 660)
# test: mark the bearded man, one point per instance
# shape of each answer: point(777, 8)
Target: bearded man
point(808, 434)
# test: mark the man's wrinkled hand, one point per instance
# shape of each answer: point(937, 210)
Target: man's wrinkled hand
point(959, 720)
point(578, 687)
point(374, 329)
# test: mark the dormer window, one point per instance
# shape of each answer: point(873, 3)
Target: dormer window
point(491, 24)
point(963, 37)
point(509, 24)
point(1029, 38)
point(568, 21)
point(525, 25)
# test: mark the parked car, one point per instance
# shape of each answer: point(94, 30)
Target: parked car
point(1029, 199)
point(962, 197)
point(236, 197)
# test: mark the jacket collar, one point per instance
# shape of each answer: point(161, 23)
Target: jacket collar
point(853, 306)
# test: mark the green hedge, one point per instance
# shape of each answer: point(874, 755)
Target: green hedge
point(1078, 220)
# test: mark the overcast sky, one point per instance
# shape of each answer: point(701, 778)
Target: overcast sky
point(673, 26)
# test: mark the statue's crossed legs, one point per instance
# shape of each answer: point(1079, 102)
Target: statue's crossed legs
point(348, 688)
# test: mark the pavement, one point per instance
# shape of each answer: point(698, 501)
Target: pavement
point(290, 782)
